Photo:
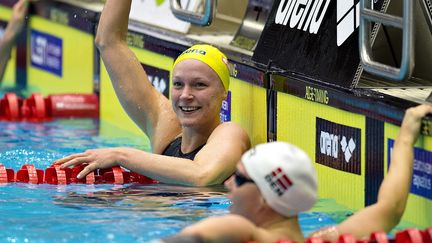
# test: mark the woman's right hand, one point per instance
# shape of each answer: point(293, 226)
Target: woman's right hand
point(102, 158)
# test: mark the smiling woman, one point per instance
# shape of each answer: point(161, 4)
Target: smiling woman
point(191, 146)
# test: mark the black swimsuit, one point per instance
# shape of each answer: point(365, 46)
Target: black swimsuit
point(174, 150)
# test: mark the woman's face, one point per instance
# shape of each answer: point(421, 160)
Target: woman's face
point(246, 197)
point(197, 93)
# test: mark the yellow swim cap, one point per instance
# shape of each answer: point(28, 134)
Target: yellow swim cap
point(211, 56)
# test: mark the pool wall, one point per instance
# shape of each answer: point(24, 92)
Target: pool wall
point(348, 135)
point(353, 180)
point(9, 76)
point(74, 70)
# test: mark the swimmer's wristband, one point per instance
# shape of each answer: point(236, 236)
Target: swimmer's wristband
point(181, 239)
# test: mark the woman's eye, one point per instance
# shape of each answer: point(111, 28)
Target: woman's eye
point(177, 84)
point(201, 85)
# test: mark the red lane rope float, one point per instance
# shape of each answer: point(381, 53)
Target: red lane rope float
point(9, 107)
point(29, 174)
point(55, 175)
point(346, 238)
point(316, 240)
point(73, 105)
point(115, 175)
point(63, 176)
point(36, 105)
point(409, 235)
point(89, 179)
point(37, 108)
point(379, 237)
point(6, 175)
point(427, 235)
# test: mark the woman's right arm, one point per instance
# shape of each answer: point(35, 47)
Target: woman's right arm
point(149, 109)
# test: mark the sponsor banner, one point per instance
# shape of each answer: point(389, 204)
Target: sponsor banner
point(225, 113)
point(159, 78)
point(338, 146)
point(46, 52)
point(158, 13)
point(314, 38)
point(421, 183)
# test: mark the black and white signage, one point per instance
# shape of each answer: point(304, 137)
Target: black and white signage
point(159, 78)
point(338, 146)
point(314, 38)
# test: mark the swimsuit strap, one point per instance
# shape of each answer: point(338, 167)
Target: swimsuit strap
point(174, 150)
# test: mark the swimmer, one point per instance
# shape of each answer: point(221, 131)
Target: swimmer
point(11, 32)
point(276, 181)
point(190, 144)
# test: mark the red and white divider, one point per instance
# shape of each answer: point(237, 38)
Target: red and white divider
point(58, 176)
point(37, 108)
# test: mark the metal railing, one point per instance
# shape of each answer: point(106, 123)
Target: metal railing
point(192, 17)
point(405, 23)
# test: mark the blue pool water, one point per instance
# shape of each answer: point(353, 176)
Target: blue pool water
point(101, 213)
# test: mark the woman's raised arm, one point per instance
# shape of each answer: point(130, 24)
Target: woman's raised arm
point(149, 109)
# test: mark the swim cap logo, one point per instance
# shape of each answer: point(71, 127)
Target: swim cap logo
point(278, 181)
point(197, 51)
point(224, 60)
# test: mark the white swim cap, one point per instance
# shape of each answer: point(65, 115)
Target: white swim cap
point(285, 176)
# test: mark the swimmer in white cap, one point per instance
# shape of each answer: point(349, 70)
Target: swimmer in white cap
point(190, 144)
point(14, 27)
point(276, 181)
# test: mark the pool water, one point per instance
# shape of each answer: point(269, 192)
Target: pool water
point(102, 213)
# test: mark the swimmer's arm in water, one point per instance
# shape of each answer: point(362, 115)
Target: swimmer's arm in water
point(215, 162)
point(229, 228)
point(12, 30)
point(149, 109)
point(394, 190)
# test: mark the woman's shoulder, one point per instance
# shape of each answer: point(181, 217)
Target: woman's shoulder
point(231, 126)
point(230, 132)
point(230, 129)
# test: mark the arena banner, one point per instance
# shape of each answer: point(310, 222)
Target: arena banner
point(316, 38)
point(159, 78)
point(338, 146)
